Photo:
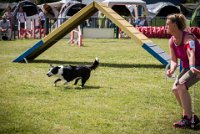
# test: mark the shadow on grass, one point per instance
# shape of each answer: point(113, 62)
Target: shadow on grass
point(87, 87)
point(114, 65)
point(66, 88)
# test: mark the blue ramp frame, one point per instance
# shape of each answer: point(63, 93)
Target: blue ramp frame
point(29, 51)
point(157, 52)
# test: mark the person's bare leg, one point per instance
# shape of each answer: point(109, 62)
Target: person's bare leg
point(177, 97)
point(185, 99)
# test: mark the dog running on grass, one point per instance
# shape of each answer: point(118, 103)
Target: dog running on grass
point(69, 73)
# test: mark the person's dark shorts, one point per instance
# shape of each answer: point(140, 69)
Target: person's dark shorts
point(186, 77)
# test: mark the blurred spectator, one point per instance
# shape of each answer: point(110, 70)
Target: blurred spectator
point(42, 18)
point(9, 16)
point(21, 17)
point(141, 21)
point(131, 20)
point(5, 31)
point(101, 21)
point(137, 20)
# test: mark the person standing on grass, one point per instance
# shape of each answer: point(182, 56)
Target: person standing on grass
point(21, 17)
point(42, 18)
point(9, 16)
point(185, 46)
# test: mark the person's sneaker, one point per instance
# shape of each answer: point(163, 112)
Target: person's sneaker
point(183, 123)
point(196, 121)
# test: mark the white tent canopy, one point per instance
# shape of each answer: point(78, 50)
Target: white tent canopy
point(110, 3)
point(132, 5)
point(154, 9)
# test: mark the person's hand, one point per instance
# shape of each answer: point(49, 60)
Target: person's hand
point(196, 71)
point(169, 73)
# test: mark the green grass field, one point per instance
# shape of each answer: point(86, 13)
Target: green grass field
point(127, 94)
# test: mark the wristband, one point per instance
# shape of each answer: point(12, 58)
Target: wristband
point(192, 66)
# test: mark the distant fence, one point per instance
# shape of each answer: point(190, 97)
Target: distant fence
point(35, 30)
point(95, 22)
point(154, 29)
point(92, 22)
point(31, 28)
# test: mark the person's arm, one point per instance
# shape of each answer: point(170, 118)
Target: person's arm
point(8, 21)
point(173, 61)
point(196, 71)
point(25, 15)
point(40, 15)
point(0, 25)
point(190, 46)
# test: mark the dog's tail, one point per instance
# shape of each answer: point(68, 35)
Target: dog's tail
point(95, 64)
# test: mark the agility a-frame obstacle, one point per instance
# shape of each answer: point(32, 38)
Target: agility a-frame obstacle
point(81, 16)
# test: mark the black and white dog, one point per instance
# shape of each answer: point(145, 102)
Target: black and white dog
point(69, 73)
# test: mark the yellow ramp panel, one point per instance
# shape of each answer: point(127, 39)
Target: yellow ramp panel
point(64, 29)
